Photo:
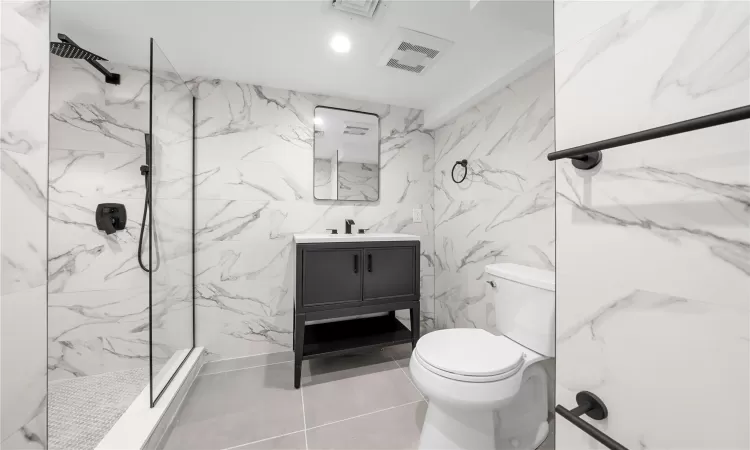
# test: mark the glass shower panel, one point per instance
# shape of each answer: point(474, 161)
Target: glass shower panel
point(171, 222)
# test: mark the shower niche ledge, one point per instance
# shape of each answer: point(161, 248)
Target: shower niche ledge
point(339, 279)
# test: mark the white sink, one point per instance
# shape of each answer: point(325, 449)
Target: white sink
point(367, 237)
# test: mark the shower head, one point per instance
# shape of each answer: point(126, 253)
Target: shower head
point(66, 50)
point(69, 49)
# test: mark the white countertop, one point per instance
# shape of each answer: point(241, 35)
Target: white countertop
point(367, 237)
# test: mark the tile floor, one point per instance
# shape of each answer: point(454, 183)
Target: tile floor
point(363, 401)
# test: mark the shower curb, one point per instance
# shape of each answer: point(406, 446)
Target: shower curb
point(141, 427)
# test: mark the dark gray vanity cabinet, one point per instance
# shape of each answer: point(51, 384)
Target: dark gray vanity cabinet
point(390, 273)
point(336, 280)
point(331, 276)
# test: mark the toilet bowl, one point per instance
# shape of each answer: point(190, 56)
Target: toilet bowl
point(489, 391)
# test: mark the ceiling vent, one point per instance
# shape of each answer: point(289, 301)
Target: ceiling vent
point(414, 52)
point(360, 7)
point(356, 128)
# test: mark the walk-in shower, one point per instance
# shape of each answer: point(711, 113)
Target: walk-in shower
point(121, 293)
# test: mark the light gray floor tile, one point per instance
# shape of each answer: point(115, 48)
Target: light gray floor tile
point(401, 353)
point(238, 407)
point(396, 428)
point(347, 386)
point(245, 363)
point(294, 441)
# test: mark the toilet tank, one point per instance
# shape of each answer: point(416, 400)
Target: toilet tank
point(524, 300)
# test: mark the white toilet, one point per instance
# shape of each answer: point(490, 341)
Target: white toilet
point(468, 375)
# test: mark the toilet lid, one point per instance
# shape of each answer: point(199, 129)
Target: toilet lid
point(469, 351)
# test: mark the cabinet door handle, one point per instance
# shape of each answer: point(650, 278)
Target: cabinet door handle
point(369, 262)
point(356, 263)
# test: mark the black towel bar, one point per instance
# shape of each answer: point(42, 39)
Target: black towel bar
point(594, 407)
point(588, 156)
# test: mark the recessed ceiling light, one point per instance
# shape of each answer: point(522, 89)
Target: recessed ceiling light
point(341, 44)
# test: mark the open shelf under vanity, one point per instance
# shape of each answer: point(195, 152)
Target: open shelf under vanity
point(336, 338)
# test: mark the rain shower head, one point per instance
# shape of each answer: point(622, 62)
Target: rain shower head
point(66, 50)
point(69, 49)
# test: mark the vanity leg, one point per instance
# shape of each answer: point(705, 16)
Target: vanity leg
point(414, 316)
point(299, 342)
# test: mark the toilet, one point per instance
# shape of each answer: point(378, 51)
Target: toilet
point(471, 375)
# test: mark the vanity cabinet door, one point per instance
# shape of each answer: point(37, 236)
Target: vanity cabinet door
point(331, 276)
point(391, 273)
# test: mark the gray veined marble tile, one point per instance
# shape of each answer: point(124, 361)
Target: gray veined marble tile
point(97, 331)
point(23, 148)
point(23, 231)
point(504, 210)
point(89, 174)
point(701, 69)
point(357, 181)
point(665, 220)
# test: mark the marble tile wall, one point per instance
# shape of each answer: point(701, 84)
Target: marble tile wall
point(98, 295)
point(325, 178)
point(23, 209)
point(255, 190)
point(504, 210)
point(172, 210)
point(653, 247)
point(357, 181)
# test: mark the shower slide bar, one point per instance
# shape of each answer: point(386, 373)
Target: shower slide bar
point(594, 407)
point(588, 156)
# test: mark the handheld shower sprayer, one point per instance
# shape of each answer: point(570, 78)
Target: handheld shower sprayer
point(147, 208)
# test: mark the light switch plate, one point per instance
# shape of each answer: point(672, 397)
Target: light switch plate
point(417, 214)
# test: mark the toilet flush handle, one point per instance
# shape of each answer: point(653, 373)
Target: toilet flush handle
point(491, 283)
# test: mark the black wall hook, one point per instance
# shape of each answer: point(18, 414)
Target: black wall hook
point(463, 163)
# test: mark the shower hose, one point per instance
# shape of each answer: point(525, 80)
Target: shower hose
point(146, 209)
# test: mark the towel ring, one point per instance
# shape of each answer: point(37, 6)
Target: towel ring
point(463, 163)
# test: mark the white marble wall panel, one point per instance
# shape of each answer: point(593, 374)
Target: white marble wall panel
point(98, 294)
point(172, 168)
point(23, 209)
point(504, 210)
point(357, 181)
point(653, 247)
point(255, 191)
point(325, 179)
point(96, 331)
point(88, 114)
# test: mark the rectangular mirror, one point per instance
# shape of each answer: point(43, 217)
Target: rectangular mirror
point(347, 155)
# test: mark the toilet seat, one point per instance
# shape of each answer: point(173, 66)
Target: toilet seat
point(469, 355)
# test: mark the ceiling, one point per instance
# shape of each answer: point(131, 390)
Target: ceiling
point(284, 44)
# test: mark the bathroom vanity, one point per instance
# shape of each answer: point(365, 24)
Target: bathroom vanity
point(345, 275)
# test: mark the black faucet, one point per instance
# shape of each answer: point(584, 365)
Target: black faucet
point(349, 223)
